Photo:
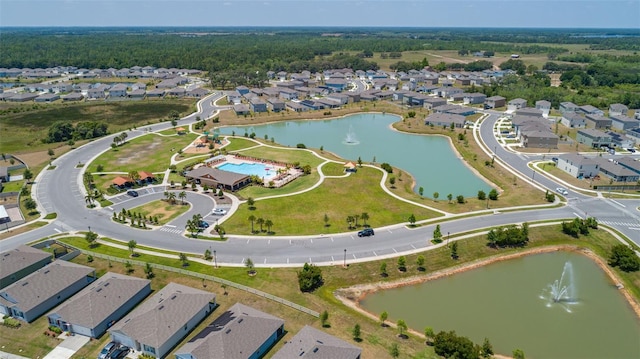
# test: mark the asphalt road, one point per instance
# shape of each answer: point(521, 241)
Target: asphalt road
point(59, 191)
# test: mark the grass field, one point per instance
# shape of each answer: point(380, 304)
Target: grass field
point(337, 198)
point(239, 143)
point(150, 153)
point(165, 212)
point(23, 126)
point(278, 281)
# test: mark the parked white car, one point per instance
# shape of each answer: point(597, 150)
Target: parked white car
point(219, 211)
point(562, 191)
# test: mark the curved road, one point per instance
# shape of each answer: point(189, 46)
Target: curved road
point(60, 191)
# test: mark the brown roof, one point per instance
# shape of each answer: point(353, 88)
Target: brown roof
point(349, 165)
point(144, 175)
point(180, 129)
point(120, 181)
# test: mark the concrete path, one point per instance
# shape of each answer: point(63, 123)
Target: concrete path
point(4, 355)
point(69, 346)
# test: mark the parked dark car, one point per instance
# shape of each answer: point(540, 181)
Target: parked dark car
point(203, 224)
point(366, 232)
point(132, 193)
point(119, 353)
point(108, 349)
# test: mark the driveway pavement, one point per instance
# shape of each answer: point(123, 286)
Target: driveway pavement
point(69, 346)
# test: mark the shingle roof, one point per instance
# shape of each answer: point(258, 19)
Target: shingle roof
point(161, 316)
point(95, 303)
point(42, 284)
point(237, 333)
point(311, 343)
point(220, 176)
point(19, 258)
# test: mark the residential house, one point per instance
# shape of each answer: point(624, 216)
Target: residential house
point(22, 97)
point(288, 94)
point(97, 92)
point(544, 106)
point(316, 344)
point(258, 105)
point(621, 141)
point(137, 94)
point(340, 98)
point(336, 85)
point(48, 97)
point(282, 75)
point(634, 133)
point(577, 165)
point(518, 122)
point(616, 171)
point(138, 86)
point(573, 120)
point(19, 262)
point(474, 98)
point(234, 97)
point(241, 109)
point(275, 104)
point(590, 110)
point(240, 332)
point(455, 110)
point(197, 93)
point(163, 320)
point(494, 102)
point(74, 96)
point(538, 138)
point(98, 306)
point(447, 92)
point(176, 92)
point(598, 122)
point(623, 122)
point(618, 109)
point(215, 178)
point(432, 102)
point(242, 90)
point(516, 104)
point(529, 111)
point(30, 297)
point(445, 120)
point(118, 90)
point(593, 138)
point(568, 107)
point(633, 164)
point(296, 106)
point(155, 93)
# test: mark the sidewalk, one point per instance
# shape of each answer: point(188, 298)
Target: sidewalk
point(4, 355)
point(69, 346)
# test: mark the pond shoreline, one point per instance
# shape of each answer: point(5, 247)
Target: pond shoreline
point(352, 296)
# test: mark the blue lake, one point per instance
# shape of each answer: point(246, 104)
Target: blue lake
point(431, 160)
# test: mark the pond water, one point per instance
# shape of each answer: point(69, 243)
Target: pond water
point(430, 159)
point(510, 303)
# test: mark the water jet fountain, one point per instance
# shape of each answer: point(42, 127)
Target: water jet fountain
point(351, 137)
point(562, 290)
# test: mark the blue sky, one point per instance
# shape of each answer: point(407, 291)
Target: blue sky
point(414, 13)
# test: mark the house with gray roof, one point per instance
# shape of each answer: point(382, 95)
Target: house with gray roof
point(118, 90)
point(47, 97)
point(598, 122)
point(241, 109)
point(432, 102)
point(630, 163)
point(573, 120)
point(494, 102)
point(445, 120)
point(616, 171)
point(33, 295)
point(311, 343)
point(516, 104)
point(473, 98)
point(623, 122)
point(590, 110)
point(620, 140)
point(544, 106)
point(19, 262)
point(215, 178)
point(593, 138)
point(529, 111)
point(568, 107)
point(162, 321)
point(74, 96)
point(257, 104)
point(98, 306)
point(578, 166)
point(537, 138)
point(275, 104)
point(616, 109)
point(241, 332)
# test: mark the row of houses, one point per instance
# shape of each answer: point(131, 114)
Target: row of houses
point(625, 169)
point(132, 72)
point(115, 304)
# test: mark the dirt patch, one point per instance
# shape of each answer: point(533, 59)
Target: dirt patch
point(352, 296)
point(136, 152)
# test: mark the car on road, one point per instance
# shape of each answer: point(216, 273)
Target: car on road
point(119, 353)
point(562, 191)
point(132, 193)
point(219, 211)
point(108, 349)
point(366, 232)
point(203, 224)
point(632, 150)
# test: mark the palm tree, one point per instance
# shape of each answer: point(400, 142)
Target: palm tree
point(89, 199)
point(356, 217)
point(252, 218)
point(88, 178)
point(365, 218)
point(182, 195)
point(269, 224)
point(260, 221)
point(134, 176)
point(349, 221)
point(171, 197)
point(123, 136)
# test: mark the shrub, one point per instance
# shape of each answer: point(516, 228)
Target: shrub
point(309, 278)
point(55, 329)
point(11, 322)
point(481, 195)
point(301, 145)
point(387, 167)
point(493, 195)
point(460, 199)
point(623, 256)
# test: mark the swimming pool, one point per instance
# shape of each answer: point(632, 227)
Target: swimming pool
point(251, 169)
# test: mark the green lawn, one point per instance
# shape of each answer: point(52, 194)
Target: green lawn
point(337, 198)
point(238, 143)
point(24, 126)
point(150, 153)
point(333, 169)
point(298, 184)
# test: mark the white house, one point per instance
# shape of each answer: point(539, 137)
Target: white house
point(578, 166)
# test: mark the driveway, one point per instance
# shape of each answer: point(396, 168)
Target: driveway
point(69, 346)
